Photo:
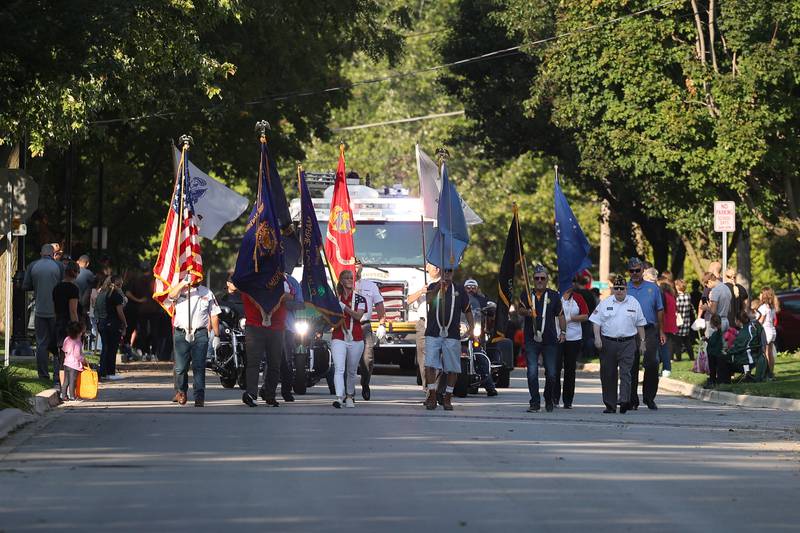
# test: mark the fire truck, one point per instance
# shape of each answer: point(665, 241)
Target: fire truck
point(389, 242)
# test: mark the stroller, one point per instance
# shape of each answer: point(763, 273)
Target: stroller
point(747, 353)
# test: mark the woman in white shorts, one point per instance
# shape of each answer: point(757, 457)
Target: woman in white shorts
point(770, 305)
point(347, 342)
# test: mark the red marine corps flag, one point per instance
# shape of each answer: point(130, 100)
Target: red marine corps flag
point(341, 226)
point(179, 256)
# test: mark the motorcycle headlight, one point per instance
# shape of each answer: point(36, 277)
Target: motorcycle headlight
point(476, 331)
point(463, 328)
point(242, 323)
point(301, 327)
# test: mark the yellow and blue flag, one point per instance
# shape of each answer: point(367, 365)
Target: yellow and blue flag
point(259, 266)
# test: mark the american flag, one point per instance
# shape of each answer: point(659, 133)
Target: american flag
point(179, 255)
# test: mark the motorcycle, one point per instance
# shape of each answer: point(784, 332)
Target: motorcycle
point(478, 350)
point(229, 359)
point(312, 355)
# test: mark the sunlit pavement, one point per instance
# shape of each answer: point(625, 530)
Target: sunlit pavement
point(133, 461)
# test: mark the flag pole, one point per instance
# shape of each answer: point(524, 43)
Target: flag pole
point(185, 142)
point(522, 257)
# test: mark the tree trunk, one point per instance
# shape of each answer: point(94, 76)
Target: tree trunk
point(743, 263)
point(678, 257)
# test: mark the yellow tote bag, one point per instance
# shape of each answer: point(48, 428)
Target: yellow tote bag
point(86, 386)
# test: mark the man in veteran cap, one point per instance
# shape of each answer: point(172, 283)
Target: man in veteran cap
point(618, 325)
point(649, 297)
point(542, 311)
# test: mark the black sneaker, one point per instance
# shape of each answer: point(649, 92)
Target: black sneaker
point(567, 406)
point(652, 405)
point(534, 408)
point(272, 402)
point(248, 400)
point(287, 396)
point(548, 407)
point(337, 404)
point(623, 408)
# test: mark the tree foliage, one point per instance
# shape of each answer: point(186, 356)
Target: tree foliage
point(666, 110)
point(113, 82)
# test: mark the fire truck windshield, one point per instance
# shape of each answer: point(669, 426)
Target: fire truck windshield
point(388, 243)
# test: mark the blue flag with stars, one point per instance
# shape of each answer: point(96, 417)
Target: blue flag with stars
point(259, 266)
point(572, 248)
point(317, 293)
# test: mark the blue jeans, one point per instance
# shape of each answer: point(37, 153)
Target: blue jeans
point(665, 354)
point(195, 352)
point(550, 358)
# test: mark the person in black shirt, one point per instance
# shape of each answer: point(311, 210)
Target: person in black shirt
point(442, 336)
point(66, 302)
point(542, 310)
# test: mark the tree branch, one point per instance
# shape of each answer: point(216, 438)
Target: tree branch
point(701, 40)
point(711, 34)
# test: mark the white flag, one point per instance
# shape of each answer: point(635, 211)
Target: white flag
point(430, 188)
point(214, 203)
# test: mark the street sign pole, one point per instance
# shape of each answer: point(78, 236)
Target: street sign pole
point(724, 222)
point(724, 253)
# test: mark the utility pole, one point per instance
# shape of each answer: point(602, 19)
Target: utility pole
point(605, 242)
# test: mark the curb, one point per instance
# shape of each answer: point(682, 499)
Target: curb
point(12, 419)
point(150, 365)
point(714, 396)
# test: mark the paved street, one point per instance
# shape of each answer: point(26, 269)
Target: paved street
point(134, 462)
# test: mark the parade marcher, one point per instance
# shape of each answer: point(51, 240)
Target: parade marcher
point(649, 297)
point(66, 302)
point(419, 299)
point(196, 311)
point(347, 340)
point(263, 337)
point(575, 314)
point(372, 294)
point(619, 326)
point(478, 302)
point(41, 277)
point(542, 336)
point(293, 304)
point(446, 302)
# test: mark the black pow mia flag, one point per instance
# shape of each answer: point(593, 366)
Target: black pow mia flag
point(513, 255)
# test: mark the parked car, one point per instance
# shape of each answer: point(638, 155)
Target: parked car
point(789, 321)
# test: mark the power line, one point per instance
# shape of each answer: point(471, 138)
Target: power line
point(496, 54)
point(400, 121)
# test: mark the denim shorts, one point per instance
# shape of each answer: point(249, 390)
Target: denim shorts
point(443, 354)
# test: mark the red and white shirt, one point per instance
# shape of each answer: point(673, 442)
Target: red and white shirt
point(356, 302)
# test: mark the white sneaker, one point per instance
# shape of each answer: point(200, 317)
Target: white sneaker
point(665, 373)
point(115, 377)
point(349, 402)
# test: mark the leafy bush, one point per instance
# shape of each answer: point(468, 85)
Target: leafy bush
point(12, 391)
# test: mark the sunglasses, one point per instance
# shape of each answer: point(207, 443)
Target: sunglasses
point(539, 277)
point(620, 288)
point(635, 270)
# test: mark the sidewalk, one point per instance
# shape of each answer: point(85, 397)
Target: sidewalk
point(713, 396)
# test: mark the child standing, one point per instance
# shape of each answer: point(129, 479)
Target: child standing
point(73, 359)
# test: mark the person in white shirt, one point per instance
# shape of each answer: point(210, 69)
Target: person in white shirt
point(575, 312)
point(372, 294)
point(617, 322)
point(770, 305)
point(196, 311)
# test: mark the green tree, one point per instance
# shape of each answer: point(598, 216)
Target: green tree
point(113, 82)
